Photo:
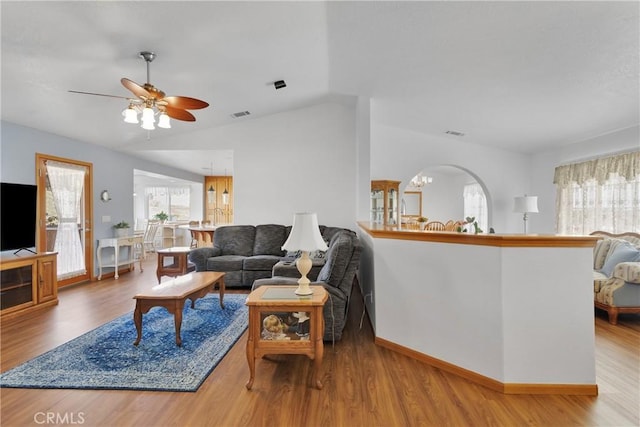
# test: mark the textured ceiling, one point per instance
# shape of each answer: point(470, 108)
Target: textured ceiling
point(523, 76)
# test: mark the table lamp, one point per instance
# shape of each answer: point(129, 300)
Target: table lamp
point(525, 205)
point(305, 237)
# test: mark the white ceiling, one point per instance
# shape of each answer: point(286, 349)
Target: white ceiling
point(523, 76)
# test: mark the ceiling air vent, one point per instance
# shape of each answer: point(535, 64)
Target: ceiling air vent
point(454, 133)
point(240, 114)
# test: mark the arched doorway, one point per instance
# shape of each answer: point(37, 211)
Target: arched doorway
point(447, 192)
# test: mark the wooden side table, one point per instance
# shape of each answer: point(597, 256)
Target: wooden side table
point(179, 263)
point(268, 300)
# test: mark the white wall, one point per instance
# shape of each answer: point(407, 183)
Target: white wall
point(300, 160)
point(544, 164)
point(363, 158)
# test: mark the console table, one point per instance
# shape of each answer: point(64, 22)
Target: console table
point(116, 243)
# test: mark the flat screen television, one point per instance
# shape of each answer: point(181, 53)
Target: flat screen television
point(17, 216)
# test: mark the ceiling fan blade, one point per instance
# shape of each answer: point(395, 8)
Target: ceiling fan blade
point(135, 88)
point(185, 102)
point(98, 94)
point(179, 114)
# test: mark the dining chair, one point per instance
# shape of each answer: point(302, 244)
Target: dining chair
point(435, 226)
point(149, 240)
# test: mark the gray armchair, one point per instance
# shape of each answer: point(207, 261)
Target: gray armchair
point(336, 276)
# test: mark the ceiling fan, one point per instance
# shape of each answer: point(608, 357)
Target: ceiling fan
point(151, 101)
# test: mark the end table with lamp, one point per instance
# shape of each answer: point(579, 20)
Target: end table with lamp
point(268, 334)
point(267, 303)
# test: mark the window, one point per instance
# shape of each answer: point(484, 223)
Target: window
point(475, 205)
point(175, 201)
point(602, 194)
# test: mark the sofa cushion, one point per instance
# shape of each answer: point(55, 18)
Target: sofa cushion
point(623, 252)
point(269, 239)
point(235, 239)
point(600, 252)
point(260, 262)
point(337, 259)
point(225, 263)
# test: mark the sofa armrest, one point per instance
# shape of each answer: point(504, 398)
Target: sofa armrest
point(289, 269)
point(199, 257)
point(628, 271)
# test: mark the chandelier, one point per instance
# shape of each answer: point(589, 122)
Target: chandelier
point(420, 180)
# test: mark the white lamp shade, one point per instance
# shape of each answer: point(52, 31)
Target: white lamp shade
point(148, 119)
point(524, 204)
point(163, 121)
point(130, 115)
point(305, 234)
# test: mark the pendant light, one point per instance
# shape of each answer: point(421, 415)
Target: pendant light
point(225, 193)
point(211, 192)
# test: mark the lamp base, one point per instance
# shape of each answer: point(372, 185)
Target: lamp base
point(303, 290)
point(304, 267)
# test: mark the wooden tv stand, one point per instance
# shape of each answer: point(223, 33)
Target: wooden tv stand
point(28, 282)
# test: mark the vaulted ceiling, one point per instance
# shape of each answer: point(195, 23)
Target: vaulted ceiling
point(523, 76)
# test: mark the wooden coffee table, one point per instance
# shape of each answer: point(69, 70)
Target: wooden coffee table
point(172, 294)
point(267, 300)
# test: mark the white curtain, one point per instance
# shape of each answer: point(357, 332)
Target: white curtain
point(67, 182)
point(475, 205)
point(602, 194)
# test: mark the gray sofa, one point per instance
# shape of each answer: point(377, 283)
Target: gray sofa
point(252, 256)
point(247, 253)
point(244, 252)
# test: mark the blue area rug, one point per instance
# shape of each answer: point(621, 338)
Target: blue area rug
point(106, 358)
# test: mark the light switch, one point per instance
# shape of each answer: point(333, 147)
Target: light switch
point(106, 218)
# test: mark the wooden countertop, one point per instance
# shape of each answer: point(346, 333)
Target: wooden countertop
point(500, 240)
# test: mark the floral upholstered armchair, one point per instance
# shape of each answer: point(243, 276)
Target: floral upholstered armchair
point(616, 274)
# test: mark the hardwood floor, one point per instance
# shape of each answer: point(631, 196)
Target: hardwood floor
point(364, 385)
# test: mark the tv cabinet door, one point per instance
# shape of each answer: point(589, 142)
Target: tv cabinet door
point(17, 285)
point(47, 283)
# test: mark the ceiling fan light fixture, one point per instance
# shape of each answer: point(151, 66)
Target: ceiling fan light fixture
point(151, 101)
point(163, 121)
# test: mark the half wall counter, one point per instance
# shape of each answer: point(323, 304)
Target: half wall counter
point(511, 312)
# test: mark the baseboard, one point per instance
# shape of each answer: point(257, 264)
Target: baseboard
point(506, 388)
point(566, 389)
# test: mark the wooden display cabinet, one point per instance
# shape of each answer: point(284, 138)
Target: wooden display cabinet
point(27, 282)
point(385, 199)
